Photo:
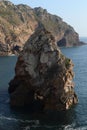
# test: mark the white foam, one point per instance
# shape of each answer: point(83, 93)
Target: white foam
point(36, 122)
point(72, 127)
point(67, 127)
point(27, 128)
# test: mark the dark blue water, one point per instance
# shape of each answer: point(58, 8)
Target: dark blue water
point(73, 119)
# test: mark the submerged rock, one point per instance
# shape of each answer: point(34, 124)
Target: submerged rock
point(43, 75)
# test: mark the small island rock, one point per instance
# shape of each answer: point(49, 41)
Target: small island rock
point(43, 75)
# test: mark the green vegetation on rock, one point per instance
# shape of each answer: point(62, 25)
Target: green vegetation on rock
point(22, 20)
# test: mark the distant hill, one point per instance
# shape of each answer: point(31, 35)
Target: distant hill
point(18, 22)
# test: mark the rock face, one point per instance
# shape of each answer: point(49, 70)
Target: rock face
point(3, 49)
point(18, 22)
point(59, 29)
point(43, 75)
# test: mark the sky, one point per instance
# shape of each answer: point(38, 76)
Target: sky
point(74, 12)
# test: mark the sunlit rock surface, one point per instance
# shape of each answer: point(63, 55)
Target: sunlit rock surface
point(18, 23)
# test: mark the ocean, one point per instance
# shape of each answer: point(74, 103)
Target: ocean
point(73, 119)
point(84, 39)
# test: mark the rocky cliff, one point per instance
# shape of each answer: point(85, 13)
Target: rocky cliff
point(18, 22)
point(43, 75)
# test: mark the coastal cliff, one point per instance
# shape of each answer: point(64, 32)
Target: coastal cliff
point(43, 75)
point(18, 23)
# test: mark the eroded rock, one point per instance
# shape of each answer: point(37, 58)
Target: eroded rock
point(43, 75)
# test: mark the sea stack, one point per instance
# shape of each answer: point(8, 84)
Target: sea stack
point(43, 75)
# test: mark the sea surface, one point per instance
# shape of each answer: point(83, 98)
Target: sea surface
point(84, 39)
point(73, 119)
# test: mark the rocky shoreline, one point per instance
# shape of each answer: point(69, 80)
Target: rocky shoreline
point(20, 21)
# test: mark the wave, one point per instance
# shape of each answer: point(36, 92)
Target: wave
point(57, 127)
point(47, 127)
point(73, 127)
point(36, 122)
point(44, 127)
point(30, 124)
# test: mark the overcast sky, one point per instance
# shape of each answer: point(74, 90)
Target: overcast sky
point(74, 12)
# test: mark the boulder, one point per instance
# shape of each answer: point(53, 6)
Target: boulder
point(43, 76)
